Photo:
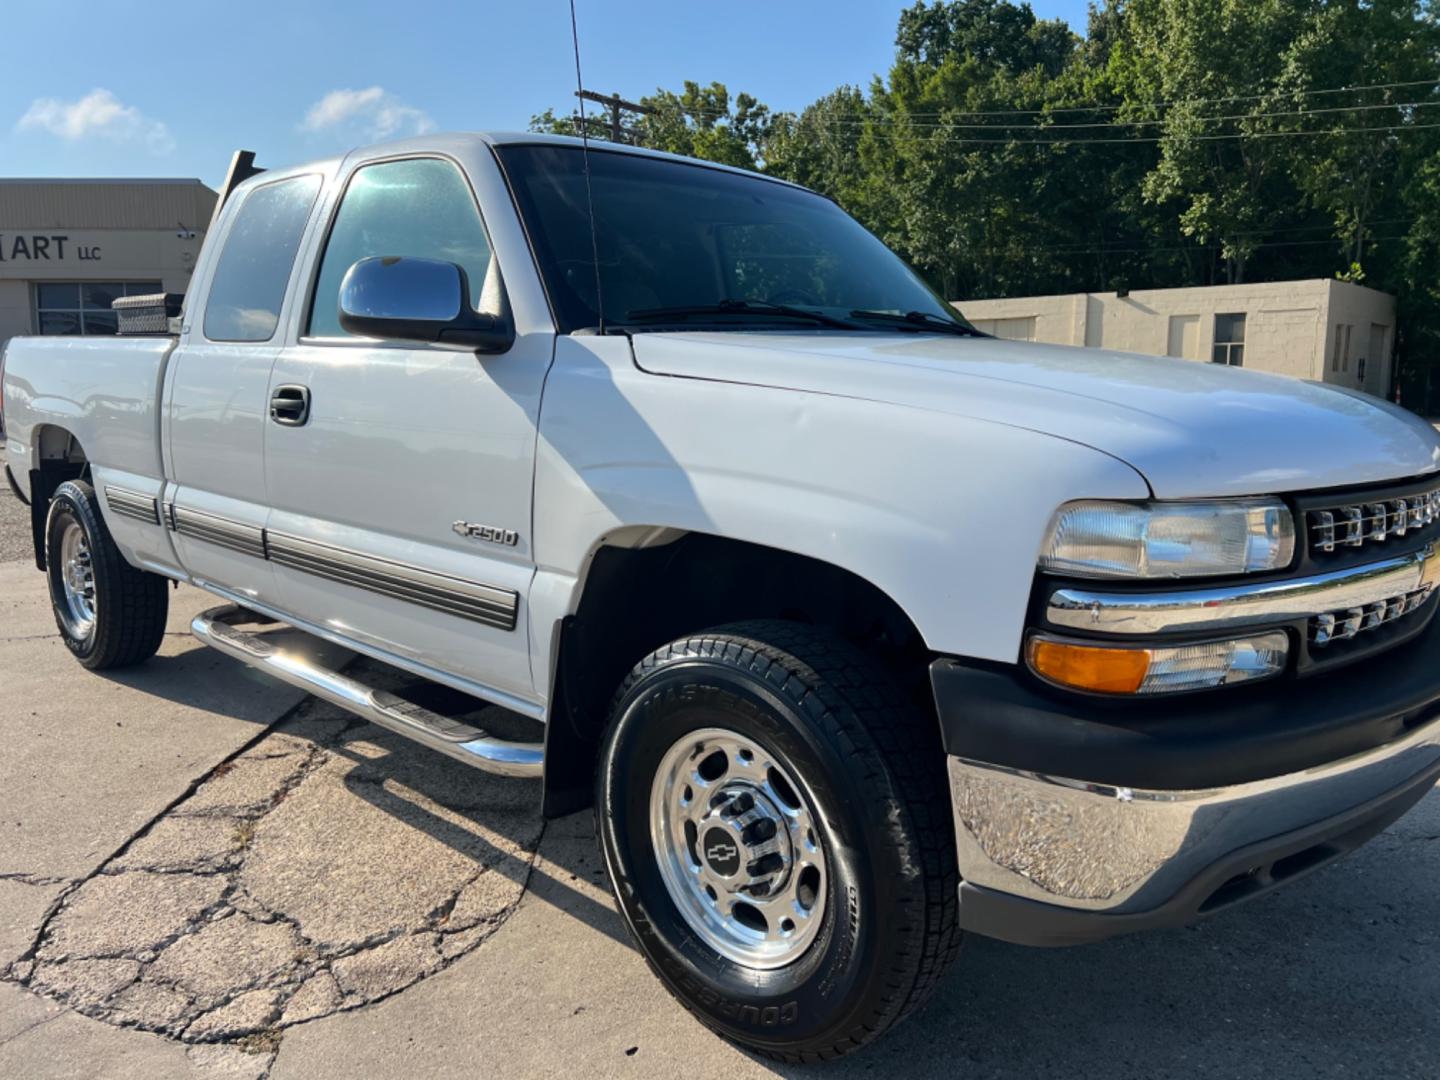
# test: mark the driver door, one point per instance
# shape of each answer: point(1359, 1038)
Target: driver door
point(403, 446)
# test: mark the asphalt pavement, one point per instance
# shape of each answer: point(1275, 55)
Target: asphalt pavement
point(15, 541)
point(205, 874)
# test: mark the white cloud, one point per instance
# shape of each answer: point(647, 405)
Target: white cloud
point(379, 115)
point(97, 114)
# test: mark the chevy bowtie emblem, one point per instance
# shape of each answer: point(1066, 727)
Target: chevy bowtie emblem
point(721, 852)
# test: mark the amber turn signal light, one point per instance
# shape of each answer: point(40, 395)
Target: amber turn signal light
point(1085, 667)
point(1157, 669)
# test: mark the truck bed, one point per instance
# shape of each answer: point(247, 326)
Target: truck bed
point(105, 391)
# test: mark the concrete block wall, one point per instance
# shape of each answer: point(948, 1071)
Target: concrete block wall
point(1289, 325)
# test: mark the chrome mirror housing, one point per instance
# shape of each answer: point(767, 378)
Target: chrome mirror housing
point(398, 298)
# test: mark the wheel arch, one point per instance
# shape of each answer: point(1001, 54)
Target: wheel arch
point(645, 587)
point(56, 455)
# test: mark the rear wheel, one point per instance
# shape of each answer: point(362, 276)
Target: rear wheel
point(109, 613)
point(776, 823)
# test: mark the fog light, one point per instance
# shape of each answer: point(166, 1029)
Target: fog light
point(1106, 669)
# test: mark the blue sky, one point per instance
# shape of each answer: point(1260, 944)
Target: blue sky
point(167, 88)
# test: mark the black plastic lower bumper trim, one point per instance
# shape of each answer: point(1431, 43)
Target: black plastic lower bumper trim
point(999, 715)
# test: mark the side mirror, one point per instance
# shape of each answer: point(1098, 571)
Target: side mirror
point(405, 299)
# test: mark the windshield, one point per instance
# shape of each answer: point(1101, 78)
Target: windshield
point(685, 243)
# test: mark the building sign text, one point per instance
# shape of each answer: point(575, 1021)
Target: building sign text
point(39, 247)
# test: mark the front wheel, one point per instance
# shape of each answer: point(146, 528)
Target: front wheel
point(109, 613)
point(776, 823)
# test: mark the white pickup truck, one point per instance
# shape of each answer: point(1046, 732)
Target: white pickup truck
point(862, 629)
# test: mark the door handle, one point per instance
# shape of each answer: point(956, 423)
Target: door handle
point(290, 405)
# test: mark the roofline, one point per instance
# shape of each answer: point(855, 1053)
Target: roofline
point(437, 141)
point(538, 138)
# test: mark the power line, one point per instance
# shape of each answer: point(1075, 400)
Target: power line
point(1210, 101)
point(1051, 110)
point(616, 104)
point(1167, 250)
point(1012, 141)
point(945, 125)
point(1279, 230)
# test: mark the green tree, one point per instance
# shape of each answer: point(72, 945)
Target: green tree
point(700, 122)
point(1355, 172)
point(1185, 68)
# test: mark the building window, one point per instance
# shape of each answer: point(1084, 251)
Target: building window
point(1015, 329)
point(1340, 356)
point(83, 307)
point(1229, 345)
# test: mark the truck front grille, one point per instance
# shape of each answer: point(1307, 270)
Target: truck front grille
point(1352, 622)
point(1366, 524)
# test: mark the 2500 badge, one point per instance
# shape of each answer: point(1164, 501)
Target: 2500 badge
point(491, 534)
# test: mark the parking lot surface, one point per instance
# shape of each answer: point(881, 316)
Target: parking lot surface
point(205, 874)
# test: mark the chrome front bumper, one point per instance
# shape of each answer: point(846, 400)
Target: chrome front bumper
point(1076, 861)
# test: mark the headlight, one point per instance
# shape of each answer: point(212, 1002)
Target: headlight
point(1129, 669)
point(1169, 540)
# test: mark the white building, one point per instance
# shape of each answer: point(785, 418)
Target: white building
point(69, 247)
point(1325, 330)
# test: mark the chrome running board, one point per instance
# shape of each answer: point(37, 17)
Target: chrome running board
point(217, 628)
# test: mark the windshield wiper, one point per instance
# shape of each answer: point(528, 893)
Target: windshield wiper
point(737, 307)
point(919, 320)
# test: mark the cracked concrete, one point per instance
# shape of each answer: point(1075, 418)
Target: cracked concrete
point(320, 866)
point(328, 865)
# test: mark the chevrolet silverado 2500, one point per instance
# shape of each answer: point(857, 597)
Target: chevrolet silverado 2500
point(861, 629)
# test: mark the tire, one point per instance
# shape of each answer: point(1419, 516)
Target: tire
point(866, 771)
point(119, 616)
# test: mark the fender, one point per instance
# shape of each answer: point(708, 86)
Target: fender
point(906, 498)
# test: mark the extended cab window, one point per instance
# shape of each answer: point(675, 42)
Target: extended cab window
point(419, 208)
point(255, 264)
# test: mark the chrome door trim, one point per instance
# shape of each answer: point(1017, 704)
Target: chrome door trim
point(1239, 606)
point(214, 529)
point(133, 504)
point(463, 598)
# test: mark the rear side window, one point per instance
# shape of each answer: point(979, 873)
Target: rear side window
point(417, 208)
point(255, 264)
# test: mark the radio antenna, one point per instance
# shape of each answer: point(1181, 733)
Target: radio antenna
point(585, 152)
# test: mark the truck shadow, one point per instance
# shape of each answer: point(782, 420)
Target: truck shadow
point(205, 679)
point(404, 779)
point(1334, 975)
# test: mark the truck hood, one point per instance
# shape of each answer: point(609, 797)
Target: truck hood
point(1191, 429)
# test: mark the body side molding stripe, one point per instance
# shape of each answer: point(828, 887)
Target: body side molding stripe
point(235, 535)
point(450, 595)
point(440, 592)
point(133, 504)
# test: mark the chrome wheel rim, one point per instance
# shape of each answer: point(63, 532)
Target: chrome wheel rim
point(77, 581)
point(739, 848)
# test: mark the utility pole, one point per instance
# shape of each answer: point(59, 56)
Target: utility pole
point(616, 105)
